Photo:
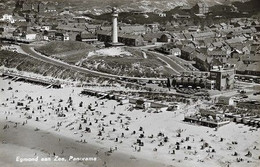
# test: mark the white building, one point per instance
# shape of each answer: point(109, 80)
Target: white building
point(8, 18)
point(45, 28)
point(30, 37)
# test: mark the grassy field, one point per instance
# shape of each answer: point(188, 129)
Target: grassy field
point(68, 51)
point(135, 65)
point(24, 63)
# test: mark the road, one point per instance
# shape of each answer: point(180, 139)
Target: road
point(174, 65)
point(31, 52)
point(185, 62)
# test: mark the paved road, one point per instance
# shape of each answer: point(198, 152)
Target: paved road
point(183, 62)
point(177, 67)
point(31, 52)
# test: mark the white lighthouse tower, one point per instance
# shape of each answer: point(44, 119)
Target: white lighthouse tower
point(114, 26)
point(115, 29)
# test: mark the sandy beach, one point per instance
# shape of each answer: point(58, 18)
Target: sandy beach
point(46, 123)
point(24, 142)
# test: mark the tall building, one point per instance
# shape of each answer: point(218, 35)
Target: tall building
point(201, 8)
point(224, 78)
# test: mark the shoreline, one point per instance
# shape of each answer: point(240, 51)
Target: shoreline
point(43, 144)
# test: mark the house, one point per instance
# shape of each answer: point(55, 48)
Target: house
point(187, 36)
point(104, 36)
point(253, 69)
point(255, 48)
point(50, 8)
point(255, 23)
point(66, 37)
point(187, 53)
point(194, 44)
point(29, 35)
point(127, 39)
point(59, 36)
point(68, 28)
point(239, 24)
point(7, 18)
point(178, 37)
point(202, 35)
point(170, 49)
point(201, 8)
point(215, 27)
point(236, 40)
point(183, 16)
point(32, 6)
point(151, 38)
point(217, 54)
point(216, 45)
point(92, 28)
point(81, 19)
point(223, 25)
point(132, 29)
point(49, 35)
point(26, 6)
point(46, 27)
point(202, 62)
point(87, 37)
point(131, 40)
point(162, 14)
point(175, 52)
point(166, 37)
point(151, 28)
point(193, 29)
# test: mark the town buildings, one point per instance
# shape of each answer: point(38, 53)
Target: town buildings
point(234, 41)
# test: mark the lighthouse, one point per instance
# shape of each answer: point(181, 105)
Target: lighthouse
point(114, 26)
point(114, 34)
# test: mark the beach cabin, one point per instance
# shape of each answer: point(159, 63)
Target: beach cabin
point(140, 103)
point(158, 105)
point(132, 100)
point(226, 100)
point(124, 101)
point(173, 107)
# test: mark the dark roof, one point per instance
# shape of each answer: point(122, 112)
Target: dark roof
point(129, 36)
point(87, 36)
point(169, 45)
point(201, 57)
point(203, 35)
point(150, 36)
point(216, 53)
point(236, 40)
point(101, 32)
point(188, 49)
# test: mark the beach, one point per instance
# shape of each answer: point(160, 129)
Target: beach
point(62, 123)
point(24, 142)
